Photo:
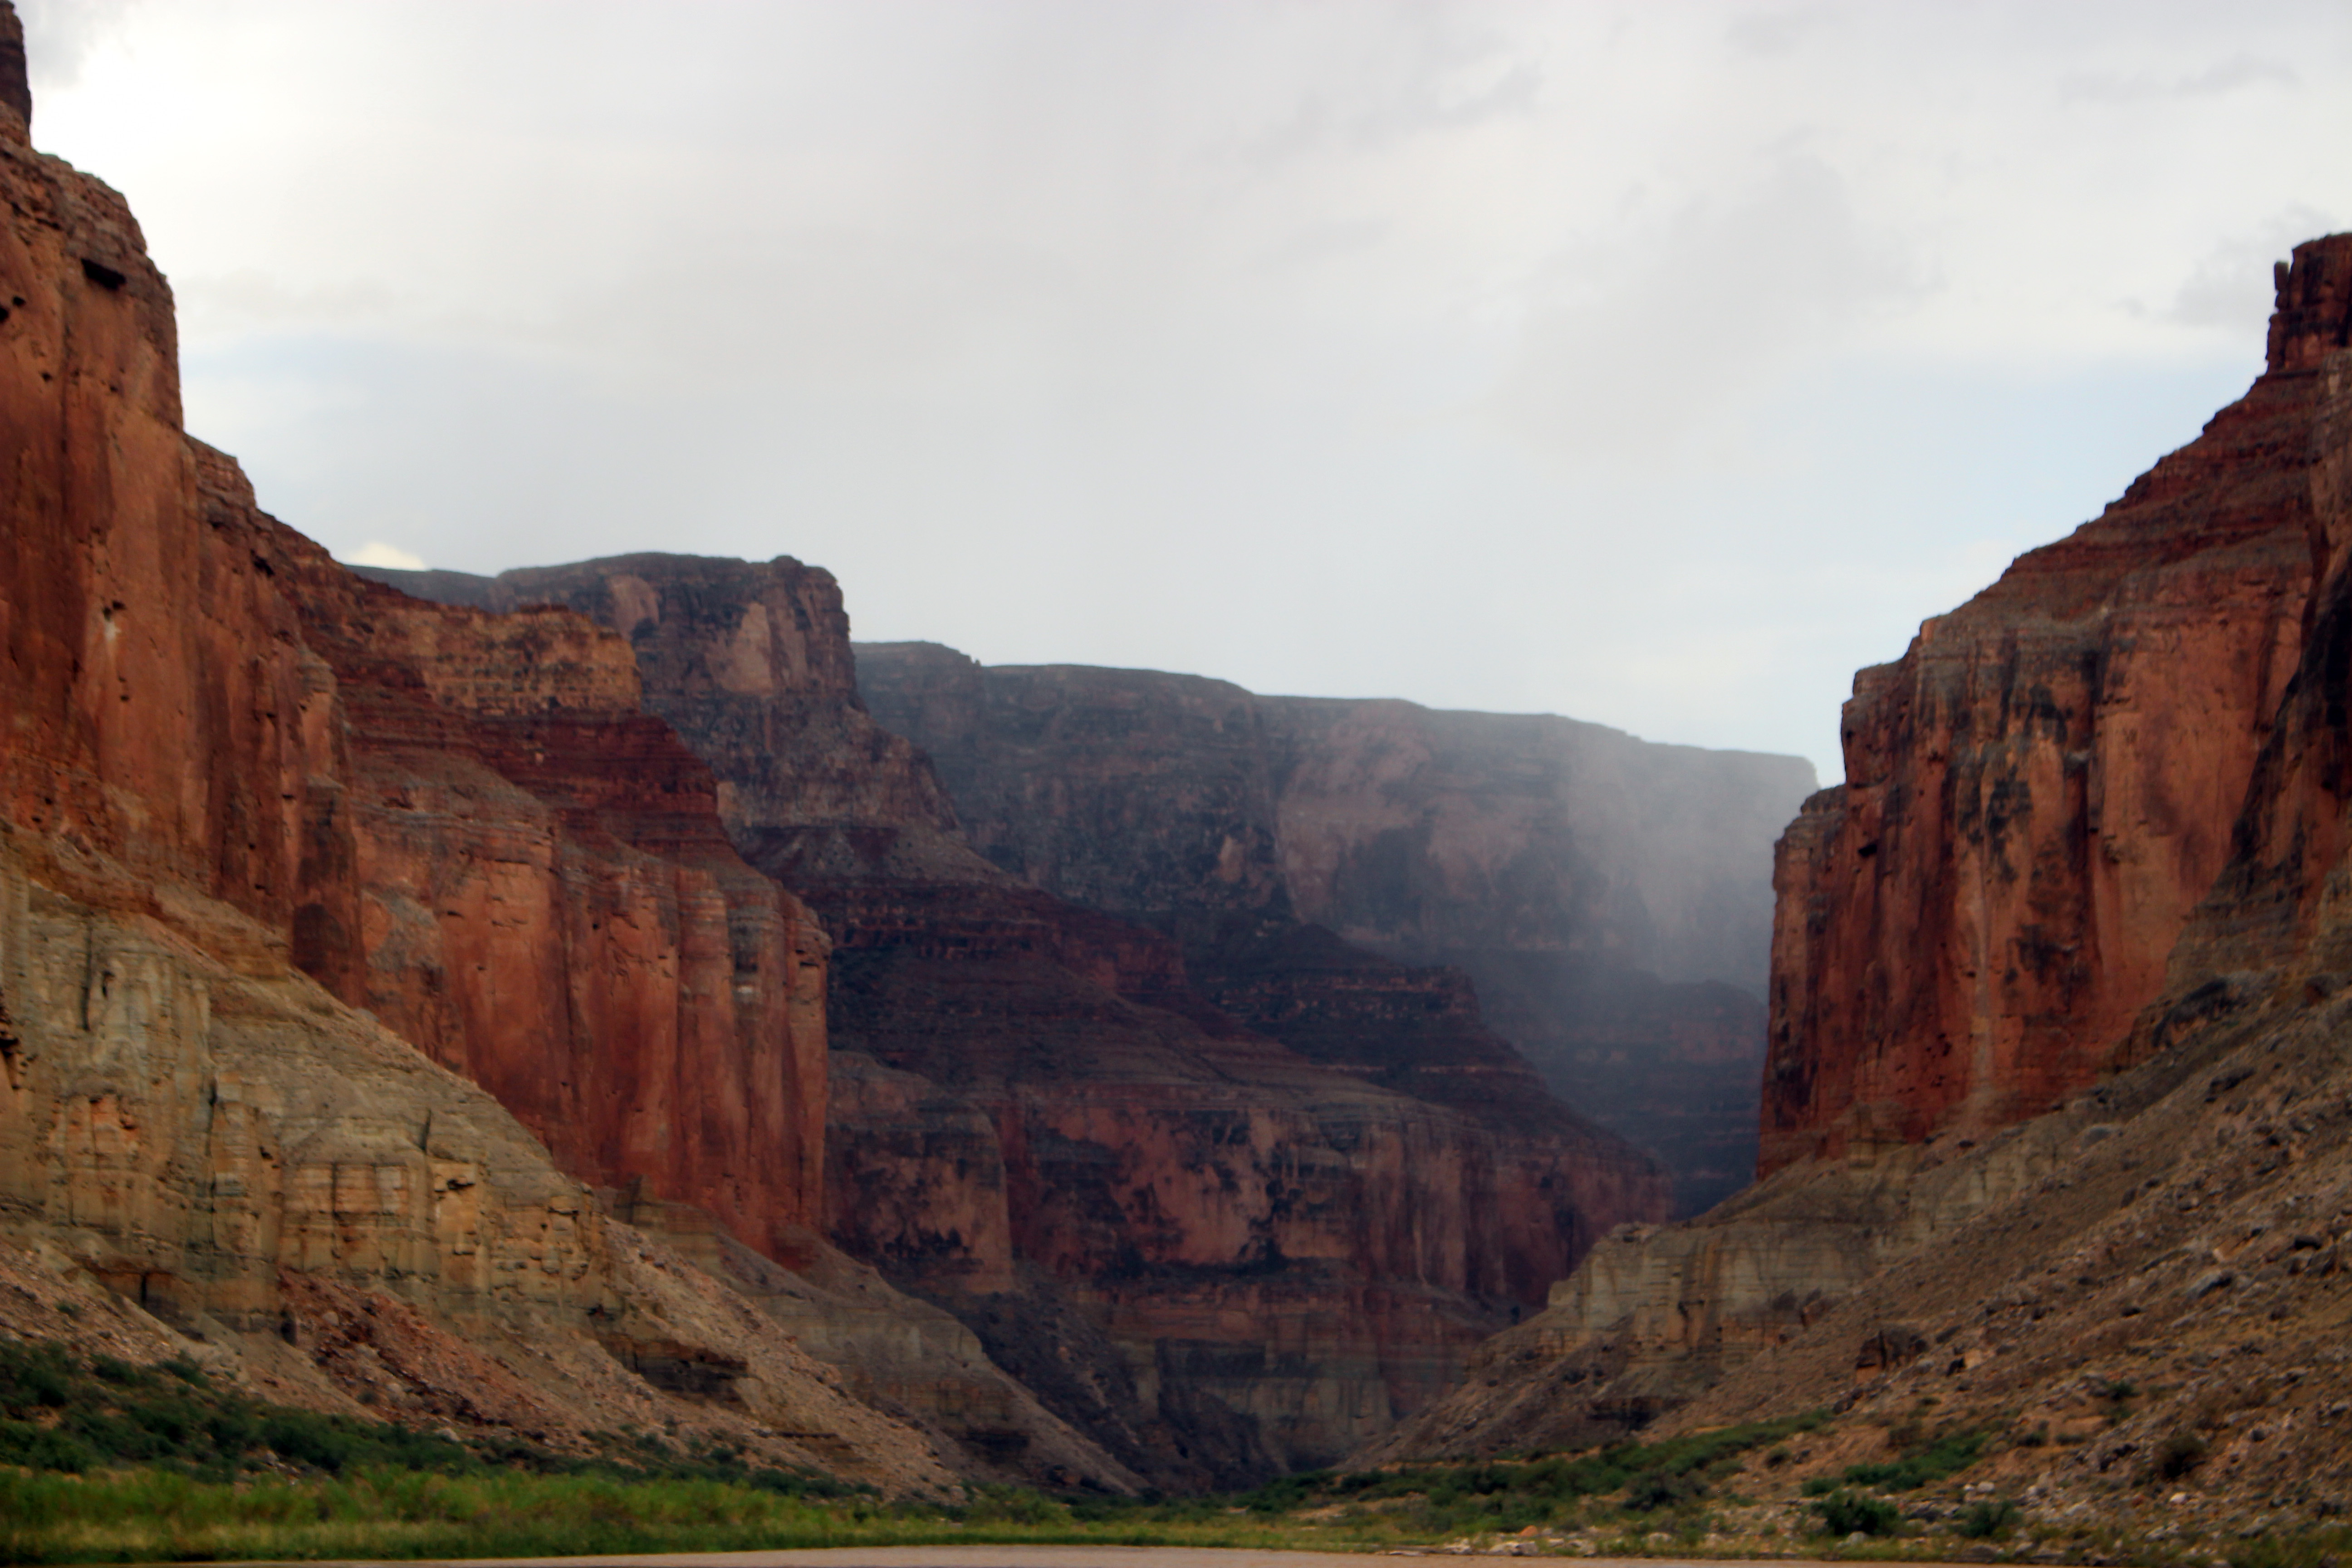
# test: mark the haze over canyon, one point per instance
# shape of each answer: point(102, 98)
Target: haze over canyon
point(604, 995)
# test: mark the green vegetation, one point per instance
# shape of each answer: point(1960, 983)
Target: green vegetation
point(1991, 1517)
point(62, 1412)
point(1849, 1513)
point(101, 1462)
point(1453, 1499)
point(1931, 1461)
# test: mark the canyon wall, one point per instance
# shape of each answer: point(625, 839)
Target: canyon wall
point(1608, 898)
point(1221, 1254)
point(2040, 791)
point(548, 903)
point(2069, 940)
point(244, 796)
point(183, 1116)
point(463, 824)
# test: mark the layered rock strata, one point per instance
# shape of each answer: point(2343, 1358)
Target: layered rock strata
point(277, 1183)
point(227, 763)
point(2113, 784)
point(2039, 792)
point(1608, 898)
point(1219, 1256)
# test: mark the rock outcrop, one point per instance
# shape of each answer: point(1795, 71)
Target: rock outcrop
point(244, 796)
point(1608, 898)
point(1218, 1255)
point(277, 1182)
point(2040, 791)
point(547, 901)
point(2056, 1047)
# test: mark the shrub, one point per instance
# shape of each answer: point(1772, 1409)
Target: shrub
point(1949, 1455)
point(1983, 1520)
point(1662, 1489)
point(2181, 1453)
point(1846, 1513)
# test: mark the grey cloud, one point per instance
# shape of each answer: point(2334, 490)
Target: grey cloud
point(1766, 33)
point(1641, 347)
point(2229, 76)
point(1440, 73)
point(60, 36)
point(2232, 287)
point(1493, 354)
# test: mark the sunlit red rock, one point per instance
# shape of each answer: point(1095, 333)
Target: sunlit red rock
point(2040, 790)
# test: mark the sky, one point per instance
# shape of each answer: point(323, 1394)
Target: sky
point(1657, 364)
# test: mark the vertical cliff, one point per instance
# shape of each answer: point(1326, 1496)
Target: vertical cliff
point(2059, 994)
point(155, 683)
point(2040, 791)
point(1608, 898)
point(199, 1146)
point(1219, 1256)
point(2276, 909)
point(547, 902)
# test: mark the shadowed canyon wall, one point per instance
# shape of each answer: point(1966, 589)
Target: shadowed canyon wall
point(1609, 899)
point(1219, 1253)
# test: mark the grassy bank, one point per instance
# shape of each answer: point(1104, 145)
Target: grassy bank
point(105, 1462)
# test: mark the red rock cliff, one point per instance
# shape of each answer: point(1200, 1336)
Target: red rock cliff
point(2277, 909)
point(188, 802)
point(2040, 791)
point(1217, 1255)
point(549, 903)
point(464, 823)
point(159, 699)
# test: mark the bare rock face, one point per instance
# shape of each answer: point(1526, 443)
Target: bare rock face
point(228, 762)
point(177, 743)
point(302, 1199)
point(1608, 898)
point(1283, 1256)
point(752, 660)
point(549, 904)
point(2128, 1177)
point(2276, 909)
point(2040, 791)
point(16, 90)
point(1218, 1255)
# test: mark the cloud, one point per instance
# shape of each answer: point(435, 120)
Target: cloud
point(376, 553)
point(2237, 73)
point(1487, 353)
point(1637, 348)
point(61, 34)
point(1766, 33)
point(2232, 287)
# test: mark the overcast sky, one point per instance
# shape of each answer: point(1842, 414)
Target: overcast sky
point(1652, 364)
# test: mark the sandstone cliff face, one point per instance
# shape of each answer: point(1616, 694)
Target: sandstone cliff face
point(2039, 792)
point(225, 758)
point(549, 904)
point(1253, 1232)
point(752, 661)
point(159, 702)
point(1608, 898)
point(1218, 1255)
point(2041, 808)
point(2276, 908)
point(317, 1210)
